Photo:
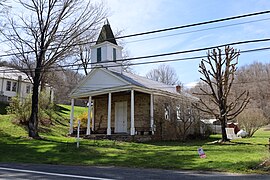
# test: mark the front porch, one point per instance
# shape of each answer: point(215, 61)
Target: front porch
point(126, 115)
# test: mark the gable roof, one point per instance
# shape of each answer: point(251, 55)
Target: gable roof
point(12, 74)
point(98, 79)
point(145, 82)
point(150, 84)
point(106, 34)
point(101, 80)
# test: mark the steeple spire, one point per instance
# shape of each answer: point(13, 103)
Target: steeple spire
point(106, 34)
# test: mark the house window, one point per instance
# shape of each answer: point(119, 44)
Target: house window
point(167, 112)
point(178, 113)
point(14, 86)
point(114, 54)
point(28, 89)
point(8, 87)
point(189, 114)
point(98, 54)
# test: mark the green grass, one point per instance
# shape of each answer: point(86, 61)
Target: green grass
point(65, 110)
point(240, 155)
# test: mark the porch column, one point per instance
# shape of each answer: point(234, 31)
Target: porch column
point(109, 114)
point(152, 113)
point(132, 128)
point(71, 117)
point(93, 116)
point(88, 131)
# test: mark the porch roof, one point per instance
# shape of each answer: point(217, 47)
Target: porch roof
point(125, 81)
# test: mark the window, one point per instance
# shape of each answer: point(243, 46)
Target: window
point(178, 113)
point(167, 112)
point(98, 54)
point(14, 86)
point(114, 54)
point(189, 114)
point(8, 87)
point(28, 89)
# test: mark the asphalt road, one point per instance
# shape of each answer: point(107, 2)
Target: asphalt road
point(41, 171)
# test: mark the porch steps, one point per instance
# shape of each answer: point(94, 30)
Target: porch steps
point(120, 137)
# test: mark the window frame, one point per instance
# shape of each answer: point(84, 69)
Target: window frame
point(99, 56)
point(167, 112)
point(114, 54)
point(8, 86)
point(14, 87)
point(28, 89)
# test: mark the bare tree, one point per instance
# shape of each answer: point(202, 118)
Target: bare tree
point(251, 120)
point(165, 74)
point(186, 117)
point(47, 34)
point(218, 72)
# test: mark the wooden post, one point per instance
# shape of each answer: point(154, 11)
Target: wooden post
point(71, 117)
point(93, 117)
point(78, 134)
point(152, 113)
point(132, 127)
point(109, 114)
point(88, 131)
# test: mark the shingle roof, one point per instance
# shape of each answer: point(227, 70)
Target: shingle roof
point(13, 74)
point(150, 84)
point(106, 34)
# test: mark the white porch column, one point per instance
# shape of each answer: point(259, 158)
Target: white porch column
point(132, 128)
point(109, 114)
point(88, 131)
point(152, 113)
point(71, 117)
point(93, 116)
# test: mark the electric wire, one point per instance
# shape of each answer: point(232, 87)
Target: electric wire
point(156, 31)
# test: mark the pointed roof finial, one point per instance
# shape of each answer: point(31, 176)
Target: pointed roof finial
point(106, 34)
point(106, 22)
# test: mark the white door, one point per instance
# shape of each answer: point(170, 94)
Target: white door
point(121, 117)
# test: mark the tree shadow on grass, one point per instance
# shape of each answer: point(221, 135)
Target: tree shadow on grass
point(190, 142)
point(60, 109)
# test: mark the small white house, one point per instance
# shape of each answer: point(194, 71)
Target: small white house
point(15, 83)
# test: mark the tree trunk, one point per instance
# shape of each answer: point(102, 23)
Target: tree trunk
point(33, 121)
point(223, 121)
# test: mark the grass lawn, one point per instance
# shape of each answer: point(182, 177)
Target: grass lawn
point(240, 155)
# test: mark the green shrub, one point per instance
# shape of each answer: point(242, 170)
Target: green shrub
point(21, 108)
point(83, 118)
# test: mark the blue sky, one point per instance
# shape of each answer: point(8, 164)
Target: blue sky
point(146, 15)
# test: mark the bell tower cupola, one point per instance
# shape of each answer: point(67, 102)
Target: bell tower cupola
point(106, 52)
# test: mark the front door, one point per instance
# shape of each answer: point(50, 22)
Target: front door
point(121, 117)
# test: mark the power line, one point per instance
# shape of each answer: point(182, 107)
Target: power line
point(157, 31)
point(199, 30)
point(133, 64)
point(196, 24)
point(177, 52)
point(172, 53)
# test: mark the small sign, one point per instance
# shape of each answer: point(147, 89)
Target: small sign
point(201, 153)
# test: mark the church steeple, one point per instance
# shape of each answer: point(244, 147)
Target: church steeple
point(106, 52)
point(106, 34)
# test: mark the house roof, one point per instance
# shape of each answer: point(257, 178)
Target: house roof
point(148, 83)
point(100, 81)
point(12, 74)
point(106, 34)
